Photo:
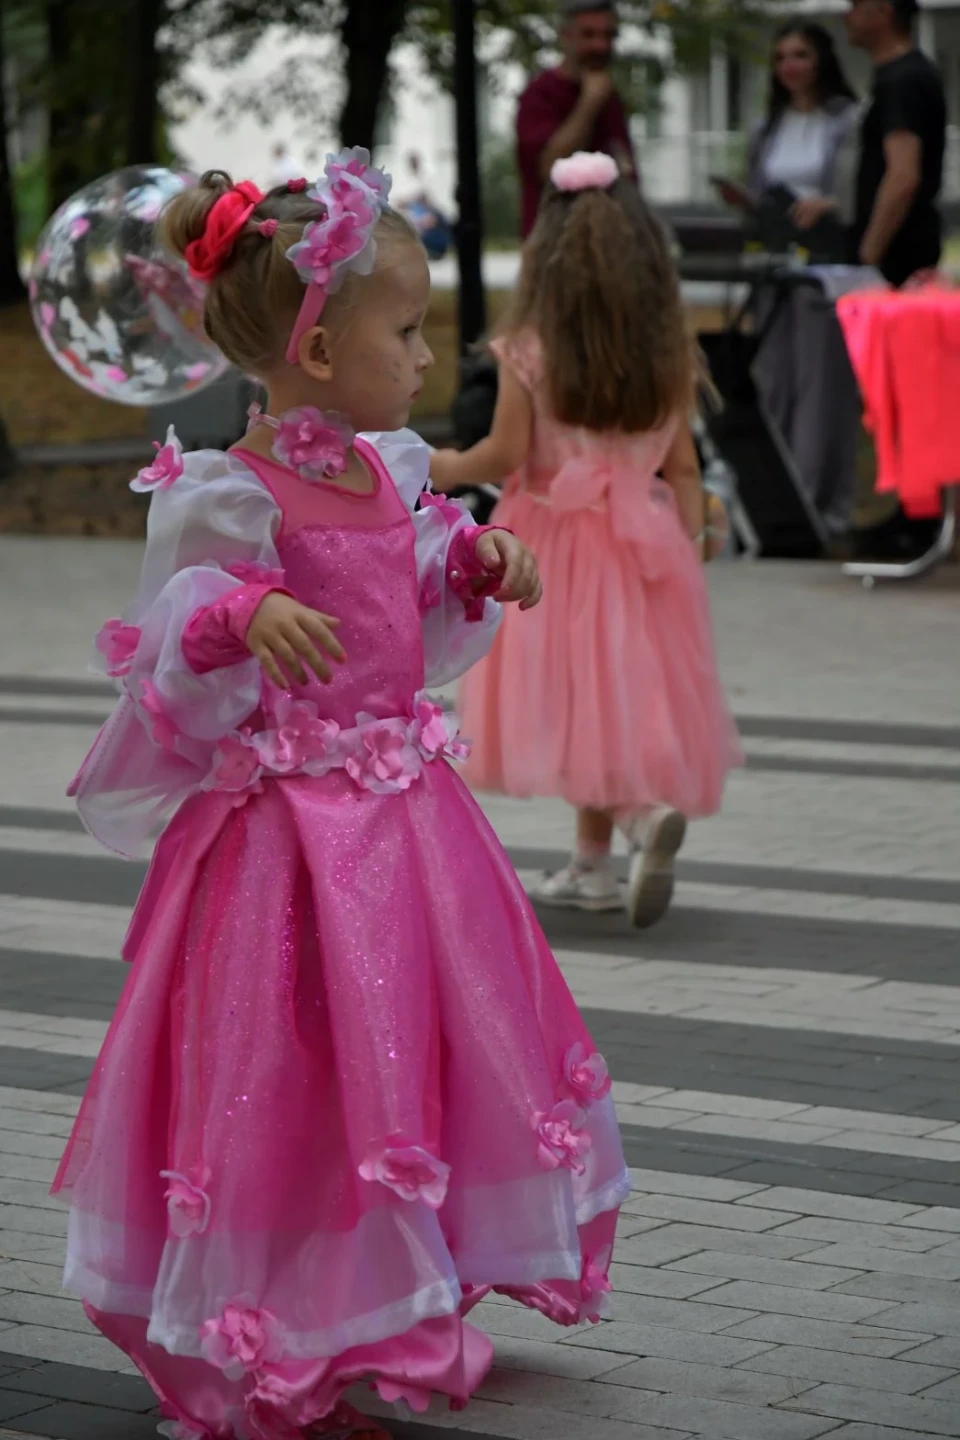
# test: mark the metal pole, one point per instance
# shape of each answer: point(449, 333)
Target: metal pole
point(473, 310)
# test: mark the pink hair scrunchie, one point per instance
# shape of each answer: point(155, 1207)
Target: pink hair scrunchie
point(586, 170)
point(207, 256)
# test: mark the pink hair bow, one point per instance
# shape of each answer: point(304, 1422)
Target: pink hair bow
point(586, 170)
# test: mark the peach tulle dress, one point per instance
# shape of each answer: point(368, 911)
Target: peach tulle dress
point(607, 694)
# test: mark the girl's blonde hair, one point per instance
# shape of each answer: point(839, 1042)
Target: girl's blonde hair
point(599, 287)
point(251, 305)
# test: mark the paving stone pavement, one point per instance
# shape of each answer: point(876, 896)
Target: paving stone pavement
point(785, 1046)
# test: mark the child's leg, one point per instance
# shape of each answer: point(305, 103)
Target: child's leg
point(594, 834)
point(588, 882)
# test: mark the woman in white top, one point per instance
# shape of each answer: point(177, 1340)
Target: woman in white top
point(810, 115)
point(800, 185)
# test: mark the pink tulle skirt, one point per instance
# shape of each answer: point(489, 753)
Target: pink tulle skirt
point(607, 694)
point(330, 1112)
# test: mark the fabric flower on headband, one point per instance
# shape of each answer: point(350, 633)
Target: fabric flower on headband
point(585, 170)
point(353, 194)
point(355, 163)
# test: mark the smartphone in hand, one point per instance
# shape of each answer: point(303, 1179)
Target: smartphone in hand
point(733, 193)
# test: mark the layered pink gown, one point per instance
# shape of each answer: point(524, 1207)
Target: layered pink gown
point(607, 694)
point(346, 1091)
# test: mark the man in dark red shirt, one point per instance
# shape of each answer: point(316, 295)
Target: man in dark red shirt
point(575, 106)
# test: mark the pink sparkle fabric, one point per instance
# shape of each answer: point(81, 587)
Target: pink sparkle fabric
point(607, 694)
point(347, 1091)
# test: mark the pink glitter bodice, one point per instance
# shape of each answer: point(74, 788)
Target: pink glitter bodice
point(352, 556)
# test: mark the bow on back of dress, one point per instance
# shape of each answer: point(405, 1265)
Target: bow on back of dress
point(618, 474)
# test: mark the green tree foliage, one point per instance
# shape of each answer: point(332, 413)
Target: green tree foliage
point(103, 74)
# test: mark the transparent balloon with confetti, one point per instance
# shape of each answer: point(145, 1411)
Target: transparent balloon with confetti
point(117, 313)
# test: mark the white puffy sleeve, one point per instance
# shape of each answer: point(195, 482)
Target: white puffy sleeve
point(458, 623)
point(178, 654)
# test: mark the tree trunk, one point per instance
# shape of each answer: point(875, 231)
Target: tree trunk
point(144, 99)
point(12, 288)
point(368, 32)
point(69, 110)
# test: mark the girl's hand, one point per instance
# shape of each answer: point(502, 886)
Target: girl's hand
point(443, 469)
point(501, 553)
point(282, 633)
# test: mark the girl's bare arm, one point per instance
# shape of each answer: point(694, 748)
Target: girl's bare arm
point(504, 450)
point(681, 471)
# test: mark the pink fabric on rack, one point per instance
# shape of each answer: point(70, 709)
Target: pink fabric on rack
point(905, 350)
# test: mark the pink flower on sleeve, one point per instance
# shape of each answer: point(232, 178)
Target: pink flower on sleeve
point(163, 731)
point(117, 643)
point(451, 512)
point(410, 1172)
point(166, 468)
point(241, 1339)
point(585, 1077)
point(561, 1137)
point(188, 1204)
point(431, 592)
point(255, 572)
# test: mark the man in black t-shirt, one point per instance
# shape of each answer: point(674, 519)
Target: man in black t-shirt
point(897, 225)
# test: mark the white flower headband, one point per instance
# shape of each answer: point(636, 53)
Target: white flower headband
point(354, 195)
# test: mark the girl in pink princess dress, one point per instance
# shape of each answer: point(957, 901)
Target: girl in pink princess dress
point(346, 1093)
point(608, 696)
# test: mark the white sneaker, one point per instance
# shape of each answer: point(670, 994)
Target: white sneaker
point(580, 887)
point(650, 882)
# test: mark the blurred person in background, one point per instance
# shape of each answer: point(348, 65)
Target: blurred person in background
point(897, 226)
point(574, 106)
point(800, 162)
point(422, 211)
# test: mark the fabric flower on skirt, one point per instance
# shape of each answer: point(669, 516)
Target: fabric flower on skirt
point(585, 1077)
point(562, 1140)
point(242, 1339)
point(410, 1172)
point(188, 1204)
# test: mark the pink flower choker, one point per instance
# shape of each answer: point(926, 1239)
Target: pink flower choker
point(354, 195)
point(313, 442)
